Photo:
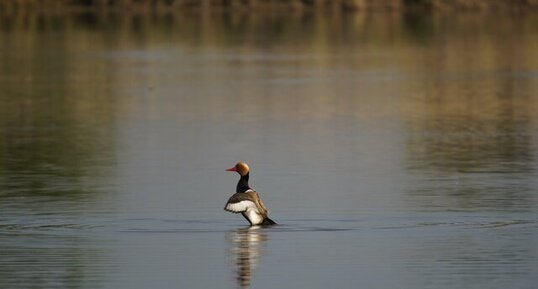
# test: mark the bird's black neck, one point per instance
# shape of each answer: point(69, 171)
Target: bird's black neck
point(242, 185)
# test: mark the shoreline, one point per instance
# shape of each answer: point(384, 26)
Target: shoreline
point(262, 6)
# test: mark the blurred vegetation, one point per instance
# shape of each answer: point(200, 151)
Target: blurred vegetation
point(170, 5)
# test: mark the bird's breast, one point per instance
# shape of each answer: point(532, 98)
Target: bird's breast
point(254, 216)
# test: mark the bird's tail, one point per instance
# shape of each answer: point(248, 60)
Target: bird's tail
point(268, 222)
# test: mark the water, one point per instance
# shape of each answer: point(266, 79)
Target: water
point(396, 151)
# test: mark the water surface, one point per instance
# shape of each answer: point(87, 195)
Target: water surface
point(396, 151)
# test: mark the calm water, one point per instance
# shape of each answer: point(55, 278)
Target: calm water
point(396, 151)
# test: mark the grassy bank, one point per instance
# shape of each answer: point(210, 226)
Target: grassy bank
point(171, 5)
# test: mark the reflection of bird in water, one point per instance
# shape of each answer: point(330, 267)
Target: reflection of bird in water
point(246, 249)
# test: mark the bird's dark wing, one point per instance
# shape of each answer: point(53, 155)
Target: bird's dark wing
point(240, 202)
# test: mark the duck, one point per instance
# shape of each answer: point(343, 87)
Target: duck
point(246, 200)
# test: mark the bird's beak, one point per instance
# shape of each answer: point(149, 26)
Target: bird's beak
point(232, 169)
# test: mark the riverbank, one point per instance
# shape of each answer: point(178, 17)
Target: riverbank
point(263, 5)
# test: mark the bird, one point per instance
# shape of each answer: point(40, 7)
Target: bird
point(246, 200)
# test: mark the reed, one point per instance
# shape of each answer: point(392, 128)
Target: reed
point(261, 5)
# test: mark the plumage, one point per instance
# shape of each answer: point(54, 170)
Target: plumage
point(246, 200)
point(240, 207)
point(249, 204)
